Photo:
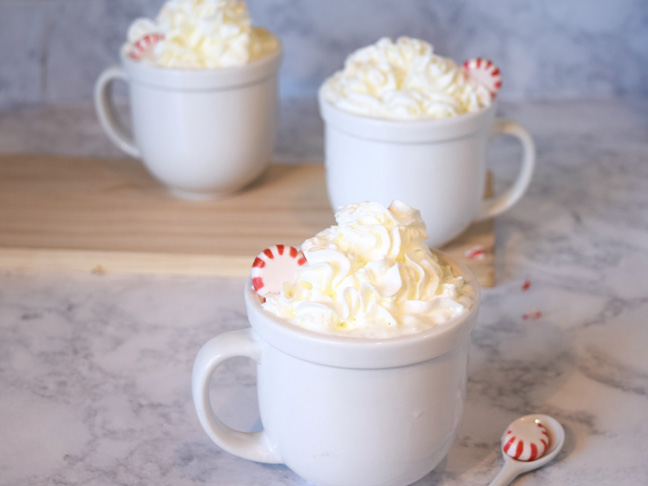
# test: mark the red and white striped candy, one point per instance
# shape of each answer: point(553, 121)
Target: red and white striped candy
point(526, 440)
point(143, 46)
point(274, 266)
point(484, 72)
point(476, 253)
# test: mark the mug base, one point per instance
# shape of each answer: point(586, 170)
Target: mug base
point(198, 196)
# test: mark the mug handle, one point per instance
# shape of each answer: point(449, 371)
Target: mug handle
point(255, 446)
point(492, 207)
point(106, 111)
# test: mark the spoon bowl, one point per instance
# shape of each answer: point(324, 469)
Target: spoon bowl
point(514, 467)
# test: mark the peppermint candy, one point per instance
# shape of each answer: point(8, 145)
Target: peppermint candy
point(476, 253)
point(485, 73)
point(144, 46)
point(526, 440)
point(274, 266)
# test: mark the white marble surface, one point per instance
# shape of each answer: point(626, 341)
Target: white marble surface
point(95, 369)
point(53, 50)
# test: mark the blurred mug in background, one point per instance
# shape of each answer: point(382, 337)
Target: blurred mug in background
point(203, 102)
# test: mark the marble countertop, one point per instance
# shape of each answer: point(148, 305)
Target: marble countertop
point(95, 369)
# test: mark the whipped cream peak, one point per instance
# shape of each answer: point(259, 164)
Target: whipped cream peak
point(404, 80)
point(371, 275)
point(203, 34)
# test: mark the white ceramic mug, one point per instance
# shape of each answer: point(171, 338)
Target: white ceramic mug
point(343, 411)
point(437, 166)
point(203, 132)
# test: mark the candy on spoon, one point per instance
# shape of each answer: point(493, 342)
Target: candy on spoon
point(485, 73)
point(274, 266)
point(545, 432)
point(525, 440)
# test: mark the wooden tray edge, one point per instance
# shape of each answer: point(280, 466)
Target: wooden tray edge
point(102, 262)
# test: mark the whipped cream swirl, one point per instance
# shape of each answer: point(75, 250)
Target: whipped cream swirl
point(203, 34)
point(403, 80)
point(372, 275)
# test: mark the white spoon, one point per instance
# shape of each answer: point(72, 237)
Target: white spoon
point(514, 467)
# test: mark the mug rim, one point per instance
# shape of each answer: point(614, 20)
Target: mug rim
point(365, 352)
point(202, 78)
point(415, 130)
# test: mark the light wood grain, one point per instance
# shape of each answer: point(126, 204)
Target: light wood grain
point(112, 216)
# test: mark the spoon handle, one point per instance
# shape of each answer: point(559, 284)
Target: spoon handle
point(505, 476)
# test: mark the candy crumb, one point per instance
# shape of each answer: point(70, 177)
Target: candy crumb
point(476, 253)
point(99, 270)
point(532, 314)
point(526, 285)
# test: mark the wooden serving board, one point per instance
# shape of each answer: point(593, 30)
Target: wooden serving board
point(112, 216)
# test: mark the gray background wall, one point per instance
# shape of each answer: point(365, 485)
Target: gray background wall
point(51, 51)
